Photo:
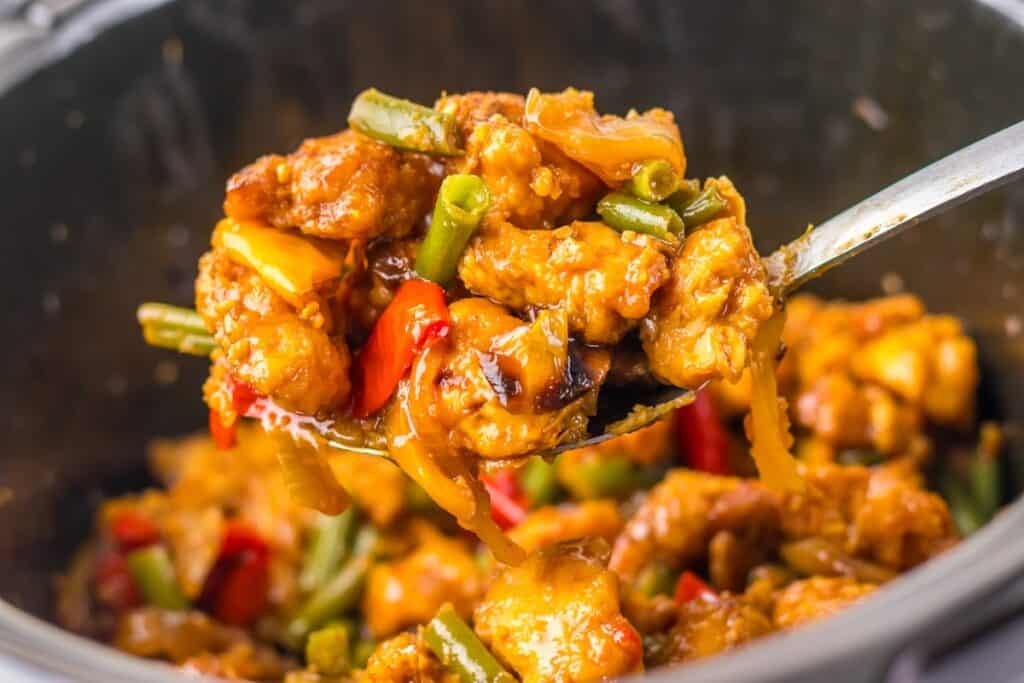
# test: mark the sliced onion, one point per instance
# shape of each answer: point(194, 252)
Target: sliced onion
point(610, 146)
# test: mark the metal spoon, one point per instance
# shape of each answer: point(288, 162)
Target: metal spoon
point(974, 170)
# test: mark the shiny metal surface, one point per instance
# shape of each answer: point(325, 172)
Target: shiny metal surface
point(969, 172)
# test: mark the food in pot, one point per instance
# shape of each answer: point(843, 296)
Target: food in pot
point(650, 550)
point(458, 286)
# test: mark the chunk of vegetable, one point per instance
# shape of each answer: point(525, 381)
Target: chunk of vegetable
point(623, 212)
point(703, 208)
point(331, 601)
point(461, 204)
point(153, 571)
point(293, 265)
point(701, 436)
point(652, 180)
point(416, 318)
point(691, 587)
point(461, 651)
point(328, 651)
point(404, 124)
point(173, 327)
point(508, 504)
point(610, 146)
point(328, 550)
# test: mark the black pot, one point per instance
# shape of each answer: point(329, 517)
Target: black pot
point(120, 121)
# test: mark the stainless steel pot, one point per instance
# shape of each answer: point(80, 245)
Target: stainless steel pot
point(119, 122)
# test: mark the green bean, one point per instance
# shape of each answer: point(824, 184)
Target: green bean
point(461, 204)
point(681, 198)
point(986, 485)
point(153, 571)
point(173, 327)
point(404, 124)
point(540, 481)
point(962, 506)
point(624, 212)
point(165, 315)
point(612, 477)
point(461, 651)
point(328, 549)
point(361, 652)
point(179, 340)
point(652, 180)
point(706, 206)
point(984, 471)
point(656, 579)
point(333, 599)
point(328, 651)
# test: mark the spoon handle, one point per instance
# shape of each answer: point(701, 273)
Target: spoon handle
point(950, 181)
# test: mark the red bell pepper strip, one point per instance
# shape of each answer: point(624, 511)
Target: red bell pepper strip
point(238, 587)
point(115, 585)
point(701, 437)
point(243, 397)
point(690, 587)
point(415, 319)
point(133, 531)
point(243, 593)
point(508, 503)
point(225, 436)
point(240, 537)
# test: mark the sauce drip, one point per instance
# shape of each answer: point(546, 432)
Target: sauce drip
point(775, 463)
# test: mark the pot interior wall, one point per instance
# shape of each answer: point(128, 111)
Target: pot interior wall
point(113, 163)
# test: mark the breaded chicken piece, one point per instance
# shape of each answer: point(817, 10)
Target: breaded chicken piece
point(602, 278)
point(556, 617)
point(282, 353)
point(703, 321)
point(343, 186)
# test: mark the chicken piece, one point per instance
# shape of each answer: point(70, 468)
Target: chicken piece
point(500, 388)
point(826, 509)
point(703, 321)
point(472, 108)
point(553, 524)
point(193, 639)
point(745, 524)
point(671, 525)
point(847, 414)
point(406, 659)
point(930, 363)
point(287, 355)
point(556, 617)
point(495, 389)
point(804, 601)
point(602, 278)
point(680, 516)
point(900, 525)
point(343, 186)
point(532, 183)
point(882, 514)
point(410, 590)
point(709, 626)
